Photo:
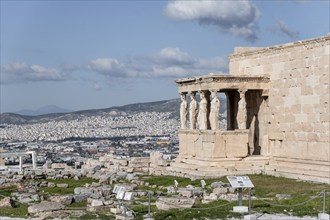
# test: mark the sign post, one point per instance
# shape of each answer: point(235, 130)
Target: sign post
point(240, 182)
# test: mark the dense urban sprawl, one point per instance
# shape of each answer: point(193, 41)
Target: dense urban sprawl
point(138, 124)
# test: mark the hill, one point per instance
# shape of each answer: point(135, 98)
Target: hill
point(159, 106)
point(48, 109)
point(171, 106)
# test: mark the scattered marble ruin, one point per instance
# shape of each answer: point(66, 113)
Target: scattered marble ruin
point(277, 115)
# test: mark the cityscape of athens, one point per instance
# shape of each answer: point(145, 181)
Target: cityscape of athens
point(165, 135)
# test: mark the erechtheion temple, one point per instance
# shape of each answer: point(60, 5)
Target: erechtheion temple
point(277, 102)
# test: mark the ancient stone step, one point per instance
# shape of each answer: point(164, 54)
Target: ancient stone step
point(302, 171)
point(313, 165)
point(298, 176)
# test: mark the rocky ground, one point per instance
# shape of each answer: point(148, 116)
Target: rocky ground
point(60, 192)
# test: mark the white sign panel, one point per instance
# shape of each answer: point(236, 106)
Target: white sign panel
point(120, 195)
point(116, 189)
point(240, 182)
point(128, 196)
point(121, 192)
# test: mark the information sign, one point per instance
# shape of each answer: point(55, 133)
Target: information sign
point(116, 189)
point(128, 196)
point(121, 193)
point(240, 182)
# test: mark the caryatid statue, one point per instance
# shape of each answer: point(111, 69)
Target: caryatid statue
point(241, 113)
point(193, 110)
point(202, 116)
point(214, 113)
point(183, 111)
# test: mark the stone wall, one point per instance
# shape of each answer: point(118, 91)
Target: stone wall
point(297, 110)
point(211, 145)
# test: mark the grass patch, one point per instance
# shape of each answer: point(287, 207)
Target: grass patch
point(82, 204)
point(269, 186)
point(141, 210)
point(71, 185)
point(57, 190)
point(218, 209)
point(6, 191)
point(183, 182)
point(71, 182)
point(94, 217)
point(301, 202)
point(169, 181)
point(19, 211)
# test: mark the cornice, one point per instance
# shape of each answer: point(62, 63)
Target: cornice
point(320, 41)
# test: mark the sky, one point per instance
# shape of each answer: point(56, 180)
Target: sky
point(82, 55)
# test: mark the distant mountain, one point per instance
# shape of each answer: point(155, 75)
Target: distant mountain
point(172, 106)
point(48, 109)
point(159, 106)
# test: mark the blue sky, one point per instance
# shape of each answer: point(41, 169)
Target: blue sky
point(97, 54)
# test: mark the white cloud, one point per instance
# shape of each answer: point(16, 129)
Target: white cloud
point(173, 56)
point(216, 63)
point(22, 72)
point(281, 27)
point(169, 71)
point(168, 62)
point(238, 18)
point(108, 66)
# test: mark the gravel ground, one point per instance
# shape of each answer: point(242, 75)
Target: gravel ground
point(277, 217)
point(246, 217)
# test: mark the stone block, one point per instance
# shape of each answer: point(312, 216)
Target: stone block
point(64, 199)
point(251, 217)
point(312, 117)
point(318, 151)
point(240, 209)
point(7, 203)
point(183, 144)
point(208, 137)
point(222, 190)
point(194, 144)
point(124, 217)
point(237, 145)
point(164, 203)
point(208, 149)
point(45, 206)
point(96, 202)
point(310, 99)
point(115, 210)
point(209, 198)
point(276, 135)
point(301, 117)
point(220, 146)
point(323, 216)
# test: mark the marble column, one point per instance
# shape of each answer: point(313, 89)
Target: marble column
point(34, 159)
point(202, 113)
point(193, 108)
point(183, 111)
point(214, 113)
point(242, 114)
point(20, 163)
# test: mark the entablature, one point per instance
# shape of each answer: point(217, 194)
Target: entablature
point(222, 82)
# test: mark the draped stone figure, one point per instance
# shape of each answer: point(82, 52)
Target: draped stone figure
point(241, 114)
point(214, 113)
point(193, 110)
point(202, 113)
point(183, 111)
